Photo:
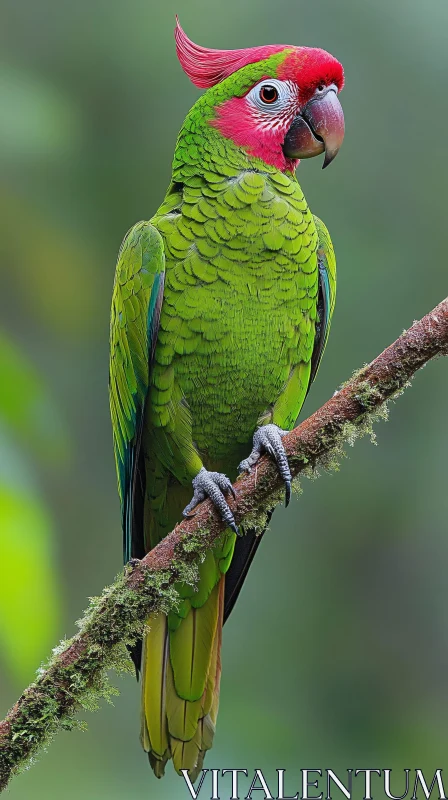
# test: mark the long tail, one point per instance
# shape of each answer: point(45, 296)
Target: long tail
point(181, 671)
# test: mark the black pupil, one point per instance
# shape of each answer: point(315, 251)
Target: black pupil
point(269, 94)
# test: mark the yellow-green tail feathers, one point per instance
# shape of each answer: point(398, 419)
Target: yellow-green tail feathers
point(181, 672)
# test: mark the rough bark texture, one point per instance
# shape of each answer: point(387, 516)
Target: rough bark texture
point(75, 676)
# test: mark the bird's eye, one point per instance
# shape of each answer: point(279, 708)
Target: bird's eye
point(268, 94)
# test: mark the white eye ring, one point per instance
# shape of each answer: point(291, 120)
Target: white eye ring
point(271, 95)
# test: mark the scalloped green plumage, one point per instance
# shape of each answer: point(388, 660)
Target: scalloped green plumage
point(238, 327)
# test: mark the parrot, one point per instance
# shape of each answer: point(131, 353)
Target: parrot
point(221, 309)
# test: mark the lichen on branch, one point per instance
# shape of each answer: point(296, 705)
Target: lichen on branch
point(75, 678)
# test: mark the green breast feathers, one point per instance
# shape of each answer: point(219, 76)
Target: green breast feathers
point(221, 310)
point(240, 301)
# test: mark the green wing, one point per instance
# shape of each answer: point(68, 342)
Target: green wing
point(136, 303)
point(291, 399)
point(327, 295)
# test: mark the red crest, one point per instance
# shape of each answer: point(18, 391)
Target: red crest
point(206, 67)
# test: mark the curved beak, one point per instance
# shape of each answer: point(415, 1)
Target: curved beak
point(318, 128)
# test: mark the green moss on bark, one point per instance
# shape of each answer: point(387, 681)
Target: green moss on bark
point(76, 677)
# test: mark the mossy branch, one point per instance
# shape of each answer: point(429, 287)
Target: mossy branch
point(75, 677)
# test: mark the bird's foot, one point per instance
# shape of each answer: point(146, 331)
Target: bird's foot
point(213, 485)
point(268, 439)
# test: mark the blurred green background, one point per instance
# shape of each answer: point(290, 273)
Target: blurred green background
point(337, 653)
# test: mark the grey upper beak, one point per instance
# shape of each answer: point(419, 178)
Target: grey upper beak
point(318, 128)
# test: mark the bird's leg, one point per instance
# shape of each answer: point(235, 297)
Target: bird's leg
point(268, 439)
point(213, 485)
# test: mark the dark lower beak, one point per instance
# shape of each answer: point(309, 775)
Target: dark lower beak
point(318, 128)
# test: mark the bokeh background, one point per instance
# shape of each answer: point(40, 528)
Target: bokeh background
point(337, 653)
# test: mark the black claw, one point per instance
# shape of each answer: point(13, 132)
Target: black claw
point(287, 493)
point(235, 528)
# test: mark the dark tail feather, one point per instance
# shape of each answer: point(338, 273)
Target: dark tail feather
point(245, 548)
point(158, 765)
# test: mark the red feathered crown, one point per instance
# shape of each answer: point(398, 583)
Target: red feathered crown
point(206, 67)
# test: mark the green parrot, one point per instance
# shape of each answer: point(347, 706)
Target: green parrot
point(221, 309)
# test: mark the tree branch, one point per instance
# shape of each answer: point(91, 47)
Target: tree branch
point(75, 676)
